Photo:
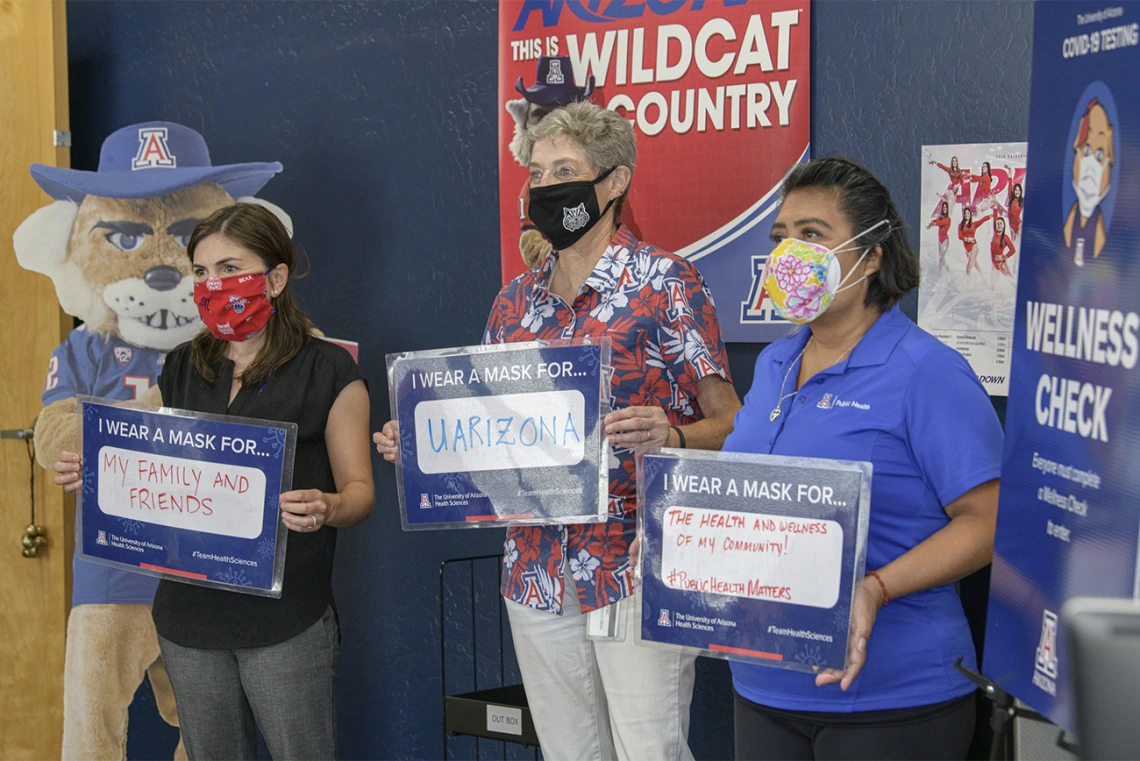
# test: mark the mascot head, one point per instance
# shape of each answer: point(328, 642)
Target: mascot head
point(553, 88)
point(114, 240)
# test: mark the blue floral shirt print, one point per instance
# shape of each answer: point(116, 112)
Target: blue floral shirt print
point(662, 322)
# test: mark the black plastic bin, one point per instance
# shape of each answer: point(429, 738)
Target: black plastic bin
point(485, 712)
point(498, 713)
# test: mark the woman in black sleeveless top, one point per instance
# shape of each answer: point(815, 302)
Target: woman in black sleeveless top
point(236, 659)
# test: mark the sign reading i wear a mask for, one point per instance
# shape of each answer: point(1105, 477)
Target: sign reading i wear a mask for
point(1068, 517)
point(971, 250)
point(501, 435)
point(185, 495)
point(751, 557)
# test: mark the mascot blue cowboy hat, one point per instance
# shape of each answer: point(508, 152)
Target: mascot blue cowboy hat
point(114, 244)
point(152, 159)
point(554, 83)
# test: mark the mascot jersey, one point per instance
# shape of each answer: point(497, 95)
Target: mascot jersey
point(87, 363)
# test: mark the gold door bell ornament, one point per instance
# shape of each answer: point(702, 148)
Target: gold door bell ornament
point(35, 540)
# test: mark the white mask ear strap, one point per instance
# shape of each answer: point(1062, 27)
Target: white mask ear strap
point(842, 287)
point(840, 248)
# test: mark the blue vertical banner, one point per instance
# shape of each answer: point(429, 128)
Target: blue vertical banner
point(1069, 517)
point(185, 495)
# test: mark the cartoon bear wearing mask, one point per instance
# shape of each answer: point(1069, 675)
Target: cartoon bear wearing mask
point(553, 88)
point(1093, 159)
point(114, 244)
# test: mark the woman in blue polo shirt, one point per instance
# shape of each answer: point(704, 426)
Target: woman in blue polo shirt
point(862, 382)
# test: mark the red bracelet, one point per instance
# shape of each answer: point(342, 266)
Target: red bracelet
point(882, 586)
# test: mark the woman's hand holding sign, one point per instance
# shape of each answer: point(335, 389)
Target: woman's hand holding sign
point(69, 471)
point(306, 510)
point(638, 427)
point(388, 440)
point(647, 427)
point(868, 601)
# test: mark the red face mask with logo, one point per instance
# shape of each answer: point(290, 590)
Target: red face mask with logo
point(234, 308)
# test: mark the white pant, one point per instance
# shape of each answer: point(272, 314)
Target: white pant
point(600, 700)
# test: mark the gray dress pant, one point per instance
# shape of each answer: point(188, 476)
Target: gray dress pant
point(288, 689)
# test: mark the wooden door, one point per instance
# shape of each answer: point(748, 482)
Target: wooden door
point(36, 592)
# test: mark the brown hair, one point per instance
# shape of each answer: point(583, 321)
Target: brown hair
point(259, 231)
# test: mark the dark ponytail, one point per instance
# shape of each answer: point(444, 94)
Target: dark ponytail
point(865, 202)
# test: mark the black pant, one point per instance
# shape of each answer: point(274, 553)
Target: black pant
point(939, 731)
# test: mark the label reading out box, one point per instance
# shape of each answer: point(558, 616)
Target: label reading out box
point(507, 721)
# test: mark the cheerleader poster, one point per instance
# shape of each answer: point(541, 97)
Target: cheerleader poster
point(973, 198)
point(718, 93)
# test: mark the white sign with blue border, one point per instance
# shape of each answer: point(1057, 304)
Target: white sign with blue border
point(502, 435)
point(185, 495)
point(751, 557)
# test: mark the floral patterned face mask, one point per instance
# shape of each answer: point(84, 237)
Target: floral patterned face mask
point(802, 279)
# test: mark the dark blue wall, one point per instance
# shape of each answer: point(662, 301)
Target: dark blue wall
point(384, 115)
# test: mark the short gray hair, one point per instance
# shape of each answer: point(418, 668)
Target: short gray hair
point(606, 137)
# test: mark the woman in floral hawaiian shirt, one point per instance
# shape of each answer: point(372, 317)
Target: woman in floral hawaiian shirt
point(604, 699)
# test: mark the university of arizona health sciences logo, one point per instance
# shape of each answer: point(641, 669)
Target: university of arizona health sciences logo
point(663, 619)
point(154, 151)
point(101, 538)
point(825, 402)
point(1045, 665)
point(425, 502)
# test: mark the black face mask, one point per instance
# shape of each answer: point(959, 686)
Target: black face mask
point(566, 211)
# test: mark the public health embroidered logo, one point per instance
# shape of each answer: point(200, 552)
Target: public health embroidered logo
point(825, 402)
point(123, 355)
point(663, 619)
point(576, 218)
point(101, 539)
point(425, 502)
point(154, 152)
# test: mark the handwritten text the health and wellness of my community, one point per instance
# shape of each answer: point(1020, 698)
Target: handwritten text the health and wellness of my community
point(755, 555)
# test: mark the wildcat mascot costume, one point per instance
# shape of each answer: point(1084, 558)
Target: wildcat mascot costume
point(114, 244)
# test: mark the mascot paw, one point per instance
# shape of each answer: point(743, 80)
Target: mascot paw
point(57, 430)
point(534, 248)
